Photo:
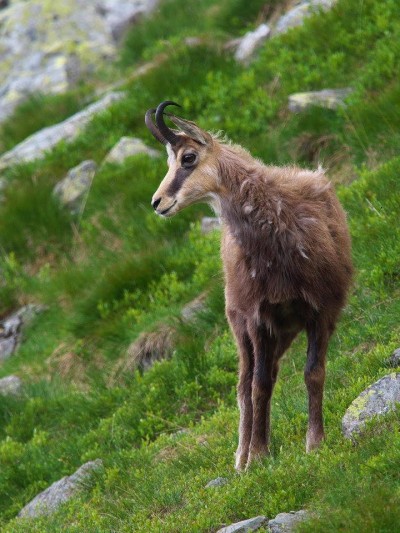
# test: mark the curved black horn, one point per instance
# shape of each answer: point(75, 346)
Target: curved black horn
point(167, 133)
point(152, 127)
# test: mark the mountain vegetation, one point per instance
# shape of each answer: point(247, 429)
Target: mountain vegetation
point(114, 273)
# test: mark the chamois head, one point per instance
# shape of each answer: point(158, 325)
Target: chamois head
point(192, 173)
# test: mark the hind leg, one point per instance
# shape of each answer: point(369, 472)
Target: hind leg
point(314, 374)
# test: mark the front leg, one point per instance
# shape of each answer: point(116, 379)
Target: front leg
point(264, 376)
point(246, 364)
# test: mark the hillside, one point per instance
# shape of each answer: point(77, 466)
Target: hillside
point(127, 356)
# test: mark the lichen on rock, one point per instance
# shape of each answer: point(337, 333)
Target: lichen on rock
point(376, 400)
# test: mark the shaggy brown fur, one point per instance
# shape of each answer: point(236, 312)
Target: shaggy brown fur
point(287, 263)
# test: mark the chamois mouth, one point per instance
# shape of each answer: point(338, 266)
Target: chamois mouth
point(165, 211)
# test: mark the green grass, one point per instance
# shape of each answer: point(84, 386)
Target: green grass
point(117, 271)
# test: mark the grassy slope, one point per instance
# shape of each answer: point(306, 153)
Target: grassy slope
point(119, 271)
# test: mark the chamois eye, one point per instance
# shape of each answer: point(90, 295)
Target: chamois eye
point(188, 160)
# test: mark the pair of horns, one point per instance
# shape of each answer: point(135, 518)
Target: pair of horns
point(160, 130)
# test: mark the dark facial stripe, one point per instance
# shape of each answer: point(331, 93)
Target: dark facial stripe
point(181, 175)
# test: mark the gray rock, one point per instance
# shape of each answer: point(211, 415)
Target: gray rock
point(48, 46)
point(73, 189)
point(394, 359)
point(209, 224)
point(37, 144)
point(217, 482)
point(327, 98)
point(119, 15)
point(193, 308)
point(285, 522)
point(295, 17)
point(60, 492)
point(10, 386)
point(127, 147)
point(251, 42)
point(39, 41)
point(11, 328)
point(377, 399)
point(252, 524)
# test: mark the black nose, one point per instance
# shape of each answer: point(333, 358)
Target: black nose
point(156, 203)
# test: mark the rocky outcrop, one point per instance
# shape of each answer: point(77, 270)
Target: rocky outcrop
point(252, 524)
point(37, 144)
point(376, 400)
point(327, 98)
point(10, 386)
point(127, 147)
point(11, 328)
point(60, 492)
point(47, 46)
point(295, 16)
point(73, 189)
point(286, 522)
point(120, 15)
point(250, 43)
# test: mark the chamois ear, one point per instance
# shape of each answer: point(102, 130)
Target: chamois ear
point(192, 130)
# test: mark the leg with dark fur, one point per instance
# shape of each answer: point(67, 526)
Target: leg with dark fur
point(264, 346)
point(246, 366)
point(318, 337)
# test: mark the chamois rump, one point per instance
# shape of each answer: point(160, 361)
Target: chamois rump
point(286, 255)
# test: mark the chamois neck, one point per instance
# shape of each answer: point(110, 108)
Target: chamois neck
point(251, 204)
point(234, 166)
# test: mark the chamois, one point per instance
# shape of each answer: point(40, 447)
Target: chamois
point(286, 255)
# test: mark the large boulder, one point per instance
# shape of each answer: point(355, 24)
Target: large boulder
point(73, 189)
point(59, 492)
point(378, 399)
point(127, 147)
point(37, 144)
point(11, 328)
point(295, 16)
point(119, 15)
point(47, 46)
